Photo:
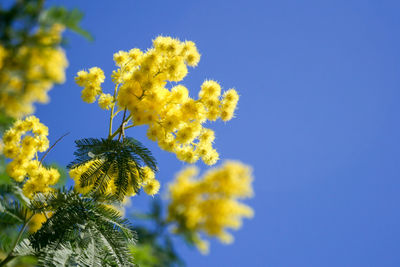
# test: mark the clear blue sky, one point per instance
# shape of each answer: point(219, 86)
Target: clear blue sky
point(318, 117)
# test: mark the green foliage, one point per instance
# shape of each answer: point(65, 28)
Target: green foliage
point(84, 223)
point(121, 161)
point(18, 21)
point(5, 122)
point(13, 210)
point(68, 18)
point(13, 215)
point(12, 191)
point(81, 230)
point(154, 247)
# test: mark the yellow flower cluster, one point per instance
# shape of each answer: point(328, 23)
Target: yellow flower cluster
point(36, 222)
point(175, 120)
point(91, 81)
point(22, 142)
point(149, 183)
point(210, 204)
point(28, 72)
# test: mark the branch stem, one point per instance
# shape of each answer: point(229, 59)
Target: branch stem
point(120, 127)
point(10, 256)
point(112, 111)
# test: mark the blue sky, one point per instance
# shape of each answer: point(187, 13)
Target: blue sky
point(318, 117)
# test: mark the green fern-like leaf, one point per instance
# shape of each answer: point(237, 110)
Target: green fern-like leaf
point(69, 18)
point(81, 231)
point(12, 213)
point(112, 159)
point(12, 191)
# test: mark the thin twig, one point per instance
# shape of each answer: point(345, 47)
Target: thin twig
point(10, 256)
point(112, 110)
point(122, 125)
point(55, 143)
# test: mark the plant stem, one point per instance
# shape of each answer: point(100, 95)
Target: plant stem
point(10, 256)
point(122, 125)
point(112, 112)
point(130, 126)
point(120, 128)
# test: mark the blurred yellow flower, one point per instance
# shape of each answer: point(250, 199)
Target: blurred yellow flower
point(210, 204)
point(29, 71)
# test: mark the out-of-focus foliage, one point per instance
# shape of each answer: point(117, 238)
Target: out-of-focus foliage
point(63, 16)
point(155, 246)
point(5, 122)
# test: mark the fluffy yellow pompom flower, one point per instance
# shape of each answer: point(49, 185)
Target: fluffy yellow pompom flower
point(36, 222)
point(81, 77)
point(190, 53)
point(152, 187)
point(91, 81)
point(148, 175)
point(210, 204)
point(229, 103)
point(22, 147)
point(210, 89)
point(121, 58)
point(105, 101)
